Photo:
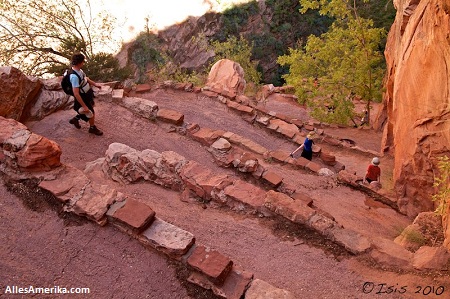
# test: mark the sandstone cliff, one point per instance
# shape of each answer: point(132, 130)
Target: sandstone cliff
point(416, 114)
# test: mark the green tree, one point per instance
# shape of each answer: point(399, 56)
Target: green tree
point(40, 36)
point(240, 51)
point(146, 51)
point(343, 62)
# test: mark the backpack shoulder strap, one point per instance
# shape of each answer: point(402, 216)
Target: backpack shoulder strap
point(79, 79)
point(71, 71)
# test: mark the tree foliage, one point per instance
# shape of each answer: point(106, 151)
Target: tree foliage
point(333, 68)
point(240, 51)
point(146, 51)
point(39, 36)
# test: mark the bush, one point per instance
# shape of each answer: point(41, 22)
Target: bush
point(442, 183)
point(101, 67)
point(235, 18)
point(105, 67)
point(240, 51)
point(145, 51)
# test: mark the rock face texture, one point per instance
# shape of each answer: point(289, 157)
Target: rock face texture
point(416, 114)
point(16, 92)
point(191, 53)
point(226, 78)
point(416, 108)
point(24, 151)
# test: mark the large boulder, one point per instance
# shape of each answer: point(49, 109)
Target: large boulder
point(226, 78)
point(415, 115)
point(24, 151)
point(46, 103)
point(16, 92)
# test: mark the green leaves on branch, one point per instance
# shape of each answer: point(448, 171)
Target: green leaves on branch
point(144, 52)
point(342, 63)
point(39, 36)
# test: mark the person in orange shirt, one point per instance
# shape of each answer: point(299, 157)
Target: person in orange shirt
point(373, 171)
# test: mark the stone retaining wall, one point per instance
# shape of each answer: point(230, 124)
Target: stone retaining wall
point(209, 268)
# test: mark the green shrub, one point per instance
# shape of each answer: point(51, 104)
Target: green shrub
point(442, 183)
point(102, 67)
point(146, 51)
point(235, 18)
point(240, 51)
point(105, 67)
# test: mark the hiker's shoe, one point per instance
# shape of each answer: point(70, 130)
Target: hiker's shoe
point(94, 130)
point(74, 121)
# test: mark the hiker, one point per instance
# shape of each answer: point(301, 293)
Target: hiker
point(84, 96)
point(307, 147)
point(373, 173)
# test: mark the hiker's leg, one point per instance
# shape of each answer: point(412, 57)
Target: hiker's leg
point(92, 121)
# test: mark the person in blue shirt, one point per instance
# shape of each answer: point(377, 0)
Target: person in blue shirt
point(306, 146)
point(84, 95)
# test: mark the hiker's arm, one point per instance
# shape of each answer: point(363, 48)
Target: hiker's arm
point(93, 83)
point(297, 149)
point(76, 94)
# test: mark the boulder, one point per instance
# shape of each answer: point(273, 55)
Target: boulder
point(436, 258)
point(16, 92)
point(226, 78)
point(131, 215)
point(390, 253)
point(48, 102)
point(39, 154)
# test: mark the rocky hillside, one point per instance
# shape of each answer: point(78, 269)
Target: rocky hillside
point(416, 115)
point(272, 27)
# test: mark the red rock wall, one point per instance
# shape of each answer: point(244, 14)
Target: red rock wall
point(416, 115)
point(16, 92)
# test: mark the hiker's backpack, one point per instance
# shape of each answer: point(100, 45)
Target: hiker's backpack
point(65, 82)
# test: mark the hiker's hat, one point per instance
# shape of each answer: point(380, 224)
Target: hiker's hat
point(311, 135)
point(376, 161)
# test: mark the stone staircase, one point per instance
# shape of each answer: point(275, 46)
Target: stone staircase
point(210, 269)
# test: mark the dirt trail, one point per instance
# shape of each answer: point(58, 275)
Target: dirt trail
point(300, 262)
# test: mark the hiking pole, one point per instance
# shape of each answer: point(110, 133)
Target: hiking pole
point(296, 150)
